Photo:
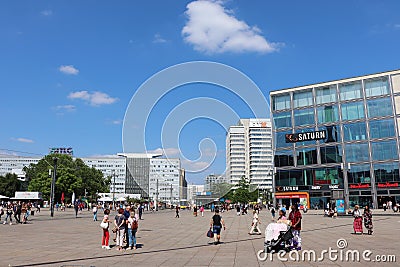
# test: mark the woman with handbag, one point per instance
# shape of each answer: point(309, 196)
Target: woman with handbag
point(119, 223)
point(106, 234)
point(216, 224)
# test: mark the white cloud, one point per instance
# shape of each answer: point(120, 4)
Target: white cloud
point(93, 98)
point(47, 12)
point(116, 122)
point(211, 28)
point(67, 108)
point(68, 69)
point(195, 166)
point(159, 39)
point(23, 140)
point(169, 152)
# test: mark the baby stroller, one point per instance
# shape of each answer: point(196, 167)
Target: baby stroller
point(278, 237)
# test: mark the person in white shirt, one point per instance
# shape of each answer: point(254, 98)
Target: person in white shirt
point(254, 224)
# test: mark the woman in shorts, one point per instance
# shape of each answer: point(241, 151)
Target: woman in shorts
point(216, 224)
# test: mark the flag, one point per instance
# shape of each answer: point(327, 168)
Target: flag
point(62, 197)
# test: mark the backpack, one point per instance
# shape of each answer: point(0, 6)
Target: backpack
point(135, 224)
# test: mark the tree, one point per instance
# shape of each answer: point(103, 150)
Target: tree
point(9, 184)
point(73, 176)
point(243, 192)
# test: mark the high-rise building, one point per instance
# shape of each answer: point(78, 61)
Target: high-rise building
point(16, 164)
point(249, 153)
point(338, 140)
point(213, 179)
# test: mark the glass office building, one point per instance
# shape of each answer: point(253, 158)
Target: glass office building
point(338, 140)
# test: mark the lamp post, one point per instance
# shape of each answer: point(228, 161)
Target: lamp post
point(113, 173)
point(53, 185)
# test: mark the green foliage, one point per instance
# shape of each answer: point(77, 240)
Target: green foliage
point(244, 193)
point(9, 184)
point(73, 175)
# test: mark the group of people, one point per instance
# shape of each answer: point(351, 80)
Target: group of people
point(359, 217)
point(389, 205)
point(126, 224)
point(20, 210)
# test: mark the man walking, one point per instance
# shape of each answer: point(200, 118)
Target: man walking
point(177, 211)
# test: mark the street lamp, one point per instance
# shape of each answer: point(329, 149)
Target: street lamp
point(53, 185)
point(113, 174)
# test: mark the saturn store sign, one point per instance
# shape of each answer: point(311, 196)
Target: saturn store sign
point(307, 136)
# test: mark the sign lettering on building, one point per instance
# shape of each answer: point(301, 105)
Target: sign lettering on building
point(61, 150)
point(307, 136)
point(387, 184)
point(287, 188)
point(358, 186)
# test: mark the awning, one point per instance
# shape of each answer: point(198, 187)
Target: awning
point(3, 197)
point(105, 199)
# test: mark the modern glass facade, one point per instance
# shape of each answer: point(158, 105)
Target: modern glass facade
point(358, 160)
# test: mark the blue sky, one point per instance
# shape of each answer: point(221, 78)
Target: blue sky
point(68, 69)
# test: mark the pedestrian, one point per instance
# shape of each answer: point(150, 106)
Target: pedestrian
point(273, 212)
point(282, 215)
point(119, 223)
point(238, 210)
point(216, 224)
point(106, 234)
point(1, 210)
point(255, 223)
point(177, 211)
point(38, 207)
point(18, 211)
point(357, 224)
point(140, 210)
point(9, 213)
point(76, 207)
point(295, 218)
point(133, 225)
point(202, 211)
point(127, 214)
point(384, 206)
point(95, 213)
point(27, 212)
point(368, 219)
point(195, 211)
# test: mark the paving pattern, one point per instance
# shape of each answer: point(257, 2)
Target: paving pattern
point(168, 241)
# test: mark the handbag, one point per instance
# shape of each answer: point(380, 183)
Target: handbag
point(104, 225)
point(210, 233)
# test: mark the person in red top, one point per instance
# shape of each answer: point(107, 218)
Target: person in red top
point(295, 218)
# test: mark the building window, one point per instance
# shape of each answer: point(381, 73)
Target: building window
point(359, 174)
point(325, 94)
point(349, 91)
point(386, 172)
point(281, 102)
point(283, 158)
point(282, 120)
point(327, 114)
point(306, 156)
point(376, 87)
point(331, 154)
point(328, 176)
point(357, 152)
point(354, 131)
point(384, 150)
point(379, 107)
point(280, 139)
point(381, 128)
point(293, 178)
point(304, 117)
point(302, 99)
point(353, 111)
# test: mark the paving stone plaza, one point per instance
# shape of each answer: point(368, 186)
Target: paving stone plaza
point(168, 241)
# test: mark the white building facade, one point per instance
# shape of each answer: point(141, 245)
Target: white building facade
point(164, 179)
point(249, 153)
point(16, 164)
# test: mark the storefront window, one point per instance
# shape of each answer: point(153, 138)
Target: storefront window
point(353, 111)
point(376, 87)
point(283, 158)
point(350, 91)
point(379, 107)
point(280, 140)
point(281, 102)
point(384, 150)
point(302, 99)
point(381, 128)
point(386, 172)
point(304, 117)
point(357, 152)
point(327, 114)
point(293, 177)
point(359, 174)
point(326, 94)
point(328, 176)
point(282, 120)
point(306, 156)
point(355, 131)
point(331, 154)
